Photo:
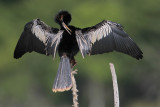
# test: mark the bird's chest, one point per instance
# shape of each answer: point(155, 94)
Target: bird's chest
point(67, 41)
point(68, 44)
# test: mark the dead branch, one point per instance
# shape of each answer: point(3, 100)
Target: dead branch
point(115, 85)
point(74, 89)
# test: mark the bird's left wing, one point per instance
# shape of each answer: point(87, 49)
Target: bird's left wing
point(39, 37)
point(106, 37)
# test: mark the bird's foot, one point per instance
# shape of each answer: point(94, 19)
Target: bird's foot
point(73, 63)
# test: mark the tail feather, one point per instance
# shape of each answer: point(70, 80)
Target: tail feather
point(63, 80)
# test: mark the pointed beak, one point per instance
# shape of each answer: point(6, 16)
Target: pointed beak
point(66, 27)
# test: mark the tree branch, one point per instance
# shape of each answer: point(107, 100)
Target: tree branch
point(115, 85)
point(74, 89)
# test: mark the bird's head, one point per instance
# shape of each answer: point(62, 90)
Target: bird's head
point(63, 18)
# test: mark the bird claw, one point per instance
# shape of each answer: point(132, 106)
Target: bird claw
point(73, 63)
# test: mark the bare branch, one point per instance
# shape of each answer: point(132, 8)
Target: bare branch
point(74, 89)
point(115, 85)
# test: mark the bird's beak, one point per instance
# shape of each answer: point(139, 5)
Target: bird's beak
point(66, 27)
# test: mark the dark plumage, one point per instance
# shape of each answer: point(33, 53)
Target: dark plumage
point(104, 37)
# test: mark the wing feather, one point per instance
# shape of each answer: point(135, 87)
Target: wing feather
point(38, 37)
point(106, 37)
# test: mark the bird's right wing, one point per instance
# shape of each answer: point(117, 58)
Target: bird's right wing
point(38, 37)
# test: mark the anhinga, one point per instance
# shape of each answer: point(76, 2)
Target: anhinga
point(106, 36)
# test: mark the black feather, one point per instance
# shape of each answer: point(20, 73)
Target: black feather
point(29, 41)
point(112, 37)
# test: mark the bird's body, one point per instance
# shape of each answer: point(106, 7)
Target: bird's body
point(106, 36)
point(68, 44)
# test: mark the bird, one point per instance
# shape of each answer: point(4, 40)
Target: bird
point(68, 40)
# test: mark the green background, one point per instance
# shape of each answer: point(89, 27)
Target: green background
point(27, 82)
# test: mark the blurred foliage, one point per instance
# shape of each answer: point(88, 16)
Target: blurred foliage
point(27, 82)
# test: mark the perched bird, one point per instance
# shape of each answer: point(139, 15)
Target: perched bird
point(106, 36)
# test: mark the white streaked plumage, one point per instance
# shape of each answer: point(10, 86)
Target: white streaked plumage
point(38, 31)
point(43, 35)
point(93, 36)
point(84, 46)
point(100, 33)
point(105, 37)
point(50, 37)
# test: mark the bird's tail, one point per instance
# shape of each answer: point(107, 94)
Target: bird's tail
point(63, 80)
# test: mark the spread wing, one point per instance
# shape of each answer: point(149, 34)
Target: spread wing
point(38, 37)
point(106, 37)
